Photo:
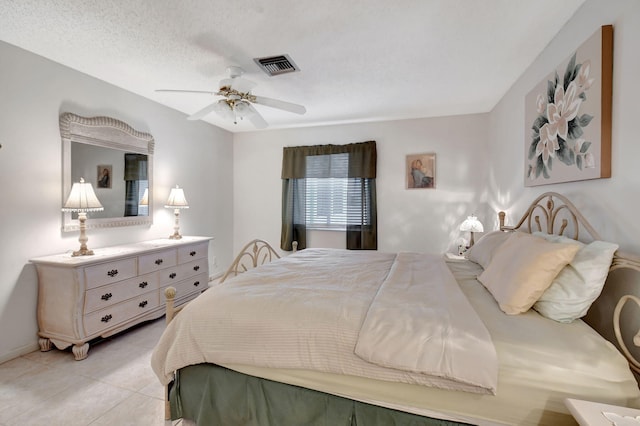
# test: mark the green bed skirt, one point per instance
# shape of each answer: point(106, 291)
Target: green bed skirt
point(212, 395)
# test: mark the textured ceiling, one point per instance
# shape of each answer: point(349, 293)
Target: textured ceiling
point(360, 60)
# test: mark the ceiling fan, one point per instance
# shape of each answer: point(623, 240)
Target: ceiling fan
point(237, 100)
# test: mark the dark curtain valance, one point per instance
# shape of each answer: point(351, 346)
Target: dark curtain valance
point(362, 159)
point(135, 166)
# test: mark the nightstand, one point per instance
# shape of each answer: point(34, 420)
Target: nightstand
point(589, 413)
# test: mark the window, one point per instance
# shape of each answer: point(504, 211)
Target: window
point(329, 187)
point(326, 191)
point(335, 201)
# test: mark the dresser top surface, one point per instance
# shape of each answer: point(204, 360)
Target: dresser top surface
point(106, 254)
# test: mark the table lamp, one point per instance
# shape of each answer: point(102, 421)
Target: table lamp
point(176, 202)
point(82, 199)
point(471, 224)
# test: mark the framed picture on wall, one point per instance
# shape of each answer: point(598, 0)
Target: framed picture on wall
point(568, 117)
point(421, 171)
point(104, 176)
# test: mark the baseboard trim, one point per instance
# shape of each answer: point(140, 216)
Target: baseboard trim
point(31, 347)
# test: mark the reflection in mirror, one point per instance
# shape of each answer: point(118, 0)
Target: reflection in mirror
point(120, 179)
point(117, 160)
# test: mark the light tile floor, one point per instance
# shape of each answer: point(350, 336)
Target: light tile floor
point(113, 386)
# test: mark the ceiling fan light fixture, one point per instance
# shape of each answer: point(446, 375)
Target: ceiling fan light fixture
point(224, 110)
point(238, 101)
point(243, 109)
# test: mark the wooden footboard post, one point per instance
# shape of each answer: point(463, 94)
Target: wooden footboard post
point(169, 295)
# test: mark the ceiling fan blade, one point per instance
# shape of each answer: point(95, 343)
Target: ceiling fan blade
point(186, 91)
point(286, 106)
point(204, 111)
point(255, 118)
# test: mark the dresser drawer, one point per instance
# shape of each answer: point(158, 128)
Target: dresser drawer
point(200, 266)
point(157, 261)
point(104, 319)
point(170, 276)
point(195, 284)
point(107, 273)
point(193, 252)
point(105, 296)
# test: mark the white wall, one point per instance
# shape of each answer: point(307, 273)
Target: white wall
point(425, 220)
point(611, 205)
point(35, 91)
point(233, 181)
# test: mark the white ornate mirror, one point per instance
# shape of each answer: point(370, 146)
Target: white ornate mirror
point(117, 160)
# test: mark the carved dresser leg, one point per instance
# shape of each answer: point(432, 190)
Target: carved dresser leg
point(80, 351)
point(45, 344)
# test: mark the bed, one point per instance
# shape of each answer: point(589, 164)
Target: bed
point(332, 337)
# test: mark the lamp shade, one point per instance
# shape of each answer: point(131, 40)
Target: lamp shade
point(144, 201)
point(472, 224)
point(224, 110)
point(82, 199)
point(176, 199)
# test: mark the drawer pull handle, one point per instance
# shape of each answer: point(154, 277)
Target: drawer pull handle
point(197, 267)
point(106, 296)
point(112, 273)
point(193, 253)
point(172, 275)
point(196, 284)
point(143, 284)
point(143, 304)
point(159, 262)
point(106, 318)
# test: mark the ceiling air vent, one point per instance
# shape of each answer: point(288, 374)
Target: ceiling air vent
point(276, 65)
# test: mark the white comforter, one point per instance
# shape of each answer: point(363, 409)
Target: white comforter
point(399, 318)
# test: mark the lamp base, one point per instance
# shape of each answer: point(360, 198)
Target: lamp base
point(82, 252)
point(176, 227)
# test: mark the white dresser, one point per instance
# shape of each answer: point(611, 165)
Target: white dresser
point(81, 298)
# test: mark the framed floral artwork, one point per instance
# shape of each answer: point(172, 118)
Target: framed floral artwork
point(568, 117)
point(421, 171)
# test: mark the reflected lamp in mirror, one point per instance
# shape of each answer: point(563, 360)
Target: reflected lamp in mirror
point(82, 199)
point(176, 202)
point(144, 201)
point(471, 225)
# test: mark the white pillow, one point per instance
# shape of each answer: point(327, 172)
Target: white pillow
point(483, 250)
point(522, 268)
point(579, 283)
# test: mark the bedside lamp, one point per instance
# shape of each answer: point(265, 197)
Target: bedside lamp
point(176, 202)
point(82, 199)
point(471, 224)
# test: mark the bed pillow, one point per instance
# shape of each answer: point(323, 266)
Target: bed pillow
point(483, 250)
point(579, 283)
point(522, 268)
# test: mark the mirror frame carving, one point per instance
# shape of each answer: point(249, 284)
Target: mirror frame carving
point(104, 132)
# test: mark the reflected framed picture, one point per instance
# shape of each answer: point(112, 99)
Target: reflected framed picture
point(104, 176)
point(421, 171)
